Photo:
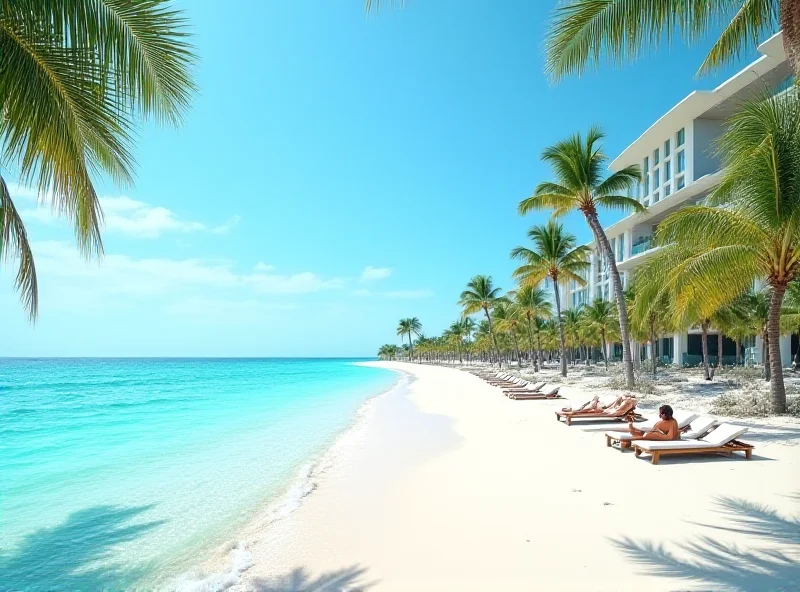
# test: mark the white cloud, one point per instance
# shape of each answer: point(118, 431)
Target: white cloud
point(129, 217)
point(121, 274)
point(260, 266)
point(375, 273)
point(229, 225)
point(396, 294)
point(408, 294)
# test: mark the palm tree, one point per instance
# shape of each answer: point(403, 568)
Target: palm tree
point(407, 327)
point(578, 165)
point(601, 315)
point(76, 76)
point(584, 32)
point(532, 304)
point(481, 295)
point(756, 237)
point(555, 256)
point(456, 331)
point(509, 319)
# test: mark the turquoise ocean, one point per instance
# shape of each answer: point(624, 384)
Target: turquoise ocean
point(120, 474)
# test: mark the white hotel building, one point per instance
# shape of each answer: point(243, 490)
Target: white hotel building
point(679, 168)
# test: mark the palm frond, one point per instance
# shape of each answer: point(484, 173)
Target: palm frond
point(584, 32)
point(14, 246)
point(143, 46)
point(742, 32)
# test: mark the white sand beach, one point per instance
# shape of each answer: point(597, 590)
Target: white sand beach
point(448, 485)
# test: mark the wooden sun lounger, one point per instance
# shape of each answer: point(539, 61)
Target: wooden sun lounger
point(722, 440)
point(551, 393)
point(698, 426)
point(620, 415)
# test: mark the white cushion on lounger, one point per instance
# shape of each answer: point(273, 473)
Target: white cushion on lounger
point(700, 427)
point(719, 437)
point(534, 387)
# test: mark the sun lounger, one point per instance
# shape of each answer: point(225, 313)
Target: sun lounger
point(548, 393)
point(531, 387)
point(700, 426)
point(722, 440)
point(625, 412)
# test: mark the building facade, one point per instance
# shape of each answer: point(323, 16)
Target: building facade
point(679, 168)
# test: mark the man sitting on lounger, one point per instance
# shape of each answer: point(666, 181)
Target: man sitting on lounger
point(665, 429)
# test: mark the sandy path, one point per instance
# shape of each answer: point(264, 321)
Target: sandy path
point(493, 494)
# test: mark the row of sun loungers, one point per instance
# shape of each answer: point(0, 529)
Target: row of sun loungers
point(520, 389)
point(700, 434)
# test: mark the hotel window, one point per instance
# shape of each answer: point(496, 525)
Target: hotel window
point(655, 157)
point(681, 137)
point(666, 149)
point(679, 183)
point(656, 178)
point(647, 185)
point(646, 165)
point(655, 197)
point(667, 190)
point(681, 161)
point(621, 247)
point(667, 171)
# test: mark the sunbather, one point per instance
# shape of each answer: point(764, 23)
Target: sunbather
point(594, 406)
point(665, 429)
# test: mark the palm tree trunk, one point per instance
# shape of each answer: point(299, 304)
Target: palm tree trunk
point(557, 293)
point(410, 348)
point(796, 365)
point(494, 338)
point(777, 389)
point(653, 348)
point(516, 349)
point(790, 24)
point(719, 349)
point(605, 347)
point(704, 327)
point(765, 353)
point(622, 308)
point(539, 345)
point(532, 360)
point(738, 348)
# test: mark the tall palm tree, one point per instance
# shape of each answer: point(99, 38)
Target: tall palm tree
point(406, 327)
point(601, 315)
point(757, 235)
point(509, 319)
point(532, 304)
point(456, 331)
point(76, 76)
point(481, 295)
point(555, 256)
point(584, 32)
point(578, 164)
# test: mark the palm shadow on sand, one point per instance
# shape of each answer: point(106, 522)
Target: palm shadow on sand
point(725, 567)
point(300, 580)
point(74, 554)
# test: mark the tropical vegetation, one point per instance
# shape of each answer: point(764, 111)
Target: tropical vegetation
point(76, 76)
point(578, 164)
point(585, 32)
point(728, 266)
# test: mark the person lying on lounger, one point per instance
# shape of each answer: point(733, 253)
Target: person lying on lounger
point(665, 429)
point(594, 406)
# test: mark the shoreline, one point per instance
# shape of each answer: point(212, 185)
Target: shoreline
point(224, 568)
point(512, 500)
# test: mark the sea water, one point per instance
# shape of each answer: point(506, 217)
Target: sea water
point(118, 474)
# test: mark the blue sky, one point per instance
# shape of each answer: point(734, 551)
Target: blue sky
point(337, 172)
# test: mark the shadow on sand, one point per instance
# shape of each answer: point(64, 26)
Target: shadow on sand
point(725, 567)
point(299, 580)
point(74, 555)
